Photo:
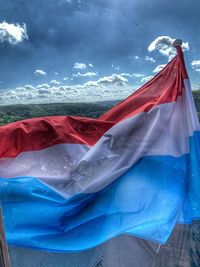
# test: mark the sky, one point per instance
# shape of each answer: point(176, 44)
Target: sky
point(91, 50)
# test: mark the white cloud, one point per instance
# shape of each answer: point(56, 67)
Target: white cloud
point(43, 86)
point(146, 79)
point(55, 73)
point(136, 57)
point(126, 74)
point(43, 91)
point(80, 66)
point(66, 78)
point(40, 73)
point(116, 79)
point(106, 88)
point(55, 82)
point(12, 33)
point(91, 83)
point(90, 65)
point(137, 75)
point(88, 74)
point(147, 58)
point(133, 75)
point(115, 67)
point(159, 68)
point(69, 2)
point(164, 44)
point(196, 65)
point(28, 86)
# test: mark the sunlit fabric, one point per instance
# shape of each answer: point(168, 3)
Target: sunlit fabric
point(71, 183)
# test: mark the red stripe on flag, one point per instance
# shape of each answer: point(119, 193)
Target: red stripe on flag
point(40, 133)
point(165, 87)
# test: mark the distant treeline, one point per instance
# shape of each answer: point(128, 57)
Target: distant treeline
point(196, 95)
point(11, 113)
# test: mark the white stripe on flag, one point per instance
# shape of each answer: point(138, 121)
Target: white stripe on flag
point(72, 168)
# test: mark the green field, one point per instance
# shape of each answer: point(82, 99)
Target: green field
point(11, 113)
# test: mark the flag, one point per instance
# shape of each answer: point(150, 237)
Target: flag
point(70, 183)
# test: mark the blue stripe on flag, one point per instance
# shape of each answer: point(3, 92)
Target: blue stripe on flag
point(145, 202)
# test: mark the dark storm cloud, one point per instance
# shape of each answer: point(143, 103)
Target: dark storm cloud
point(63, 32)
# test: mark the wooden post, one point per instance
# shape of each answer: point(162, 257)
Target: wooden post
point(4, 259)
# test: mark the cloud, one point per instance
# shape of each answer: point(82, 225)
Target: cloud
point(136, 57)
point(43, 91)
point(28, 86)
point(137, 75)
point(146, 79)
point(164, 44)
point(90, 65)
point(80, 66)
point(91, 83)
point(115, 67)
point(159, 68)
point(40, 73)
point(12, 33)
point(196, 65)
point(73, 35)
point(116, 79)
point(126, 74)
point(147, 58)
point(133, 75)
point(106, 88)
point(88, 74)
point(110, 80)
point(43, 86)
point(55, 82)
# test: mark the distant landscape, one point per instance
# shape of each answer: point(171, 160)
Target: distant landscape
point(12, 113)
point(196, 95)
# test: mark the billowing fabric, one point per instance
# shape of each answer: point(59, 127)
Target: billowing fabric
point(71, 183)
